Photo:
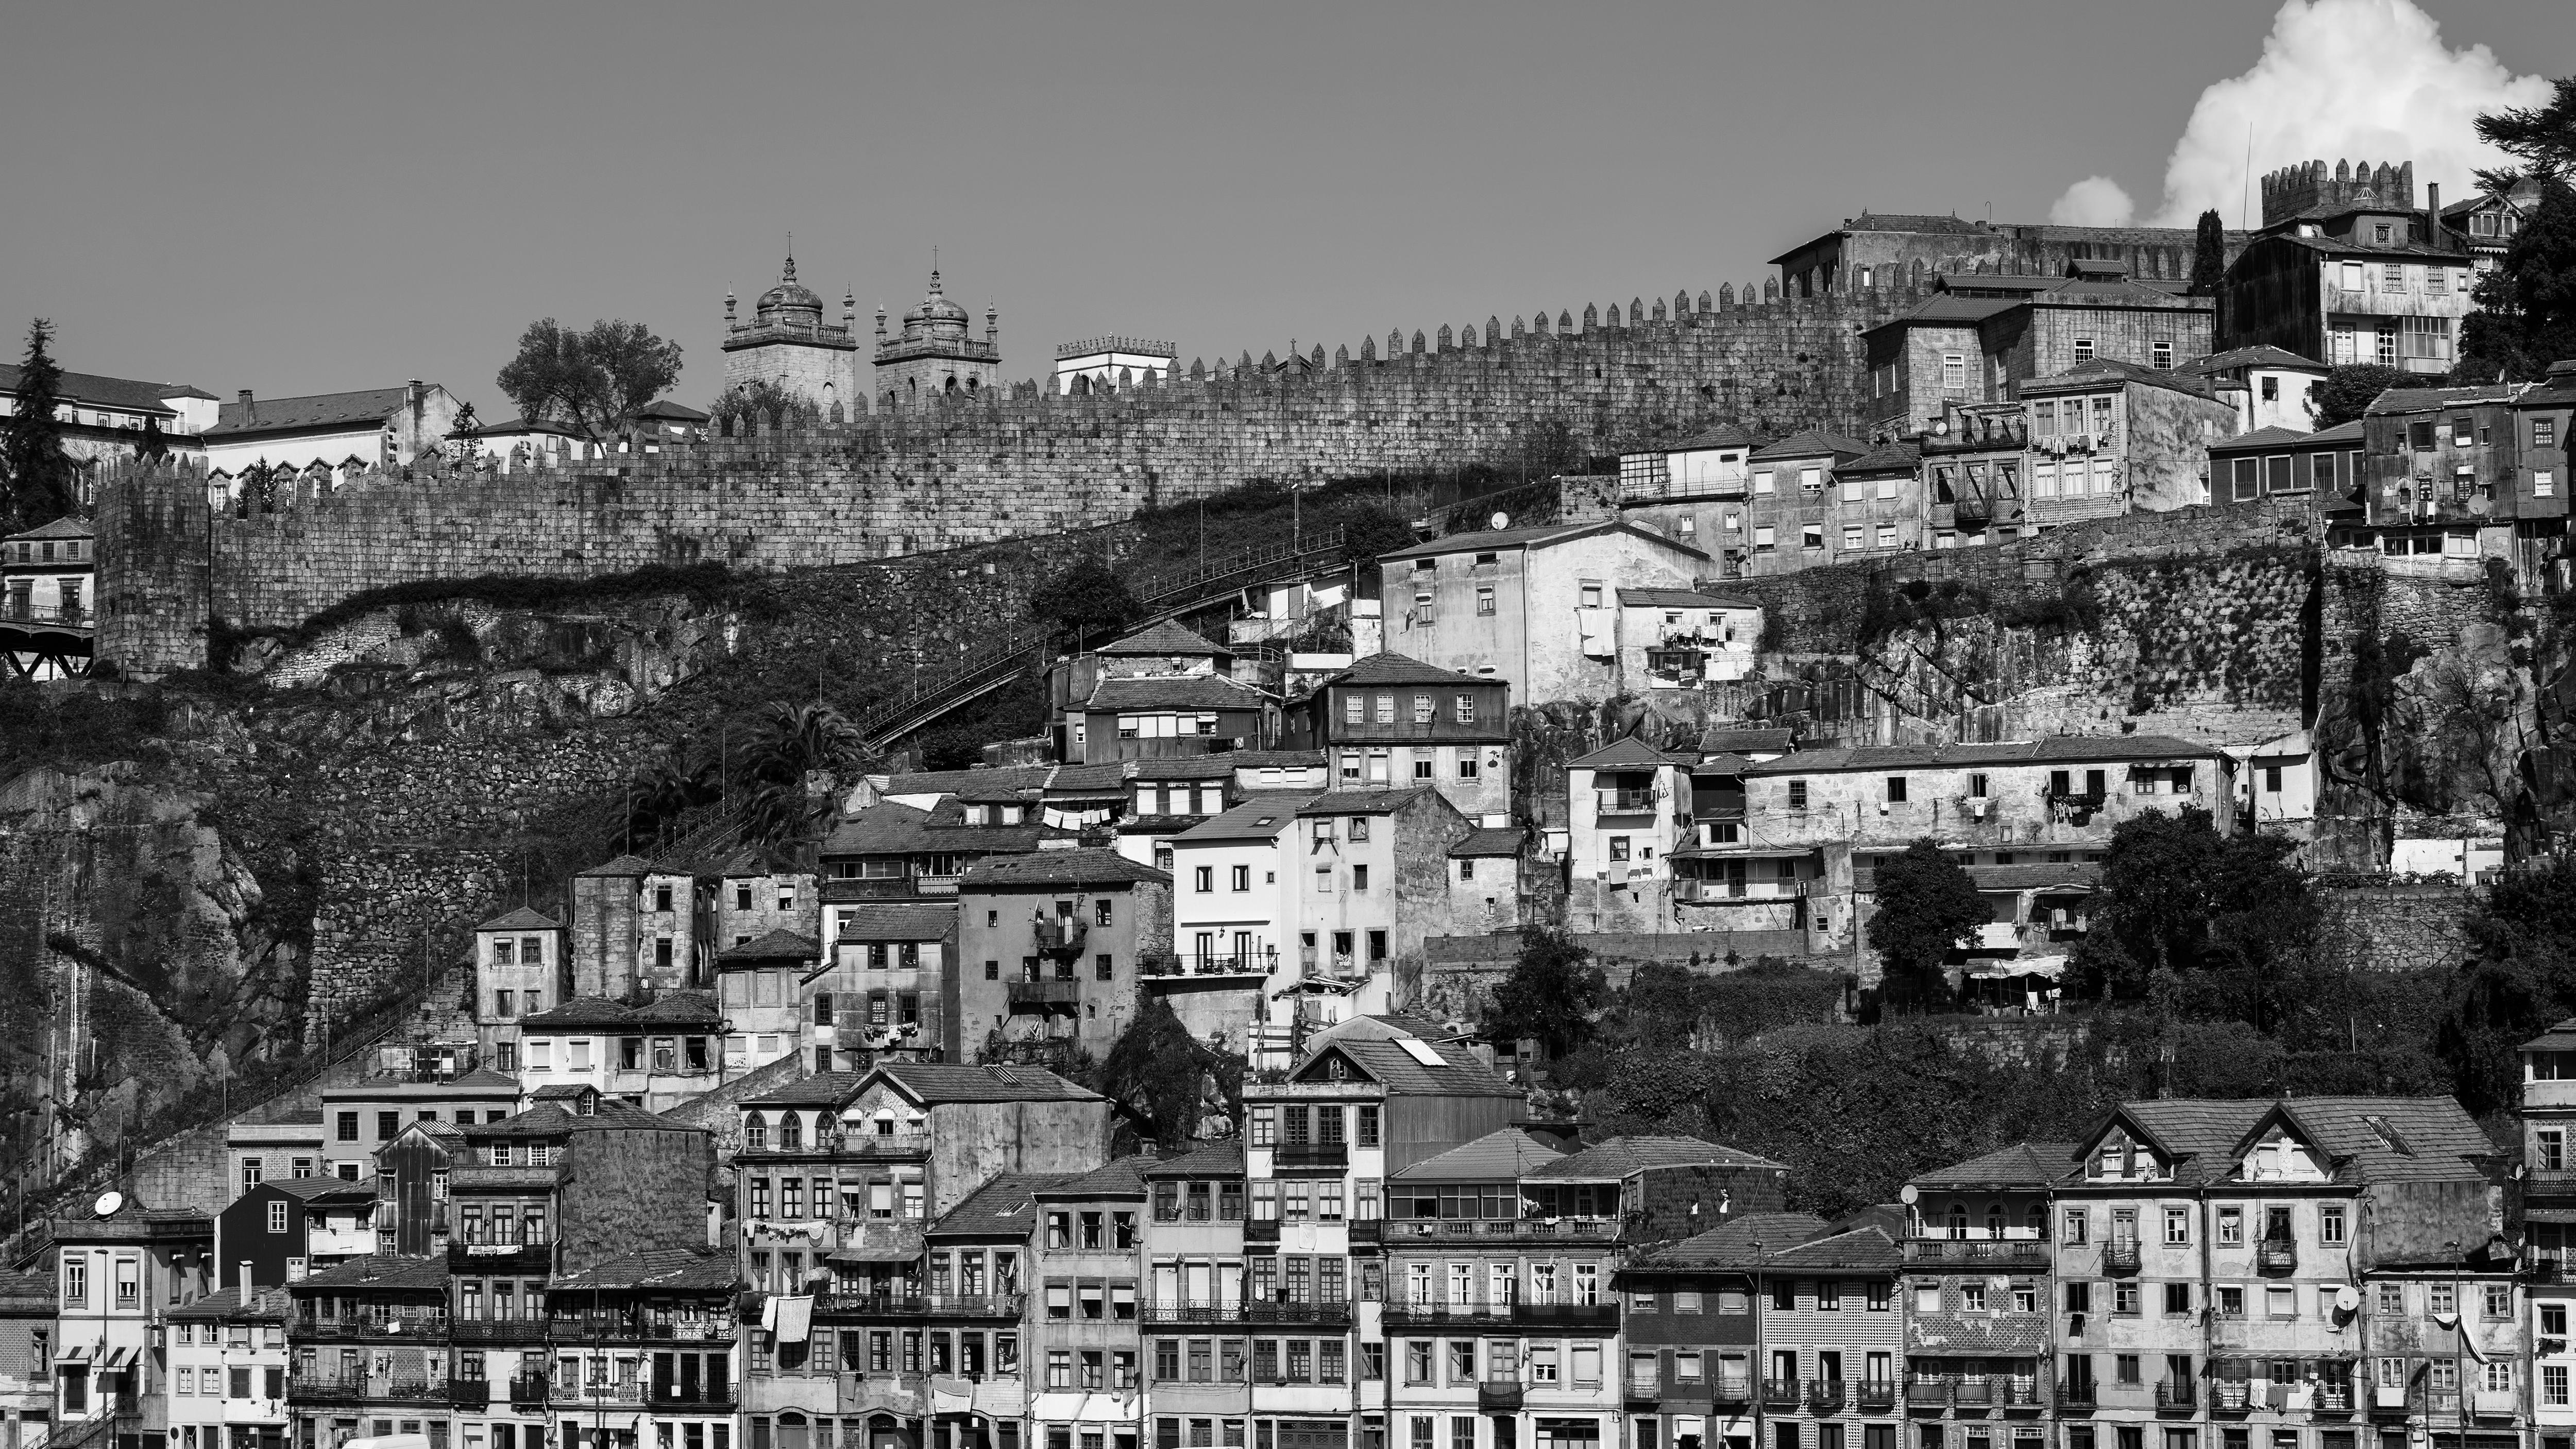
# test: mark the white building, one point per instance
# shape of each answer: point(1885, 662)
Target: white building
point(49, 600)
point(1628, 809)
point(2281, 783)
point(1682, 638)
point(341, 431)
point(2268, 386)
point(1103, 360)
point(228, 1364)
point(110, 416)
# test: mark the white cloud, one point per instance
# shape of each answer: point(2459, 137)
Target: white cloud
point(2093, 201)
point(2340, 80)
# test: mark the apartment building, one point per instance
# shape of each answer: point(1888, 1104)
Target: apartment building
point(2318, 469)
point(1158, 693)
point(2345, 269)
point(764, 987)
point(228, 1361)
point(656, 1054)
point(1232, 911)
point(118, 1267)
point(370, 1352)
point(1087, 1333)
point(1683, 491)
point(2442, 464)
point(1980, 1299)
point(519, 970)
point(636, 925)
point(1390, 721)
point(1163, 797)
point(1793, 512)
point(2212, 1252)
point(889, 984)
point(1982, 337)
point(1053, 948)
point(2109, 437)
point(1370, 881)
point(276, 1231)
point(645, 1351)
point(2548, 1226)
point(1533, 608)
point(1628, 808)
point(1198, 1319)
point(402, 1085)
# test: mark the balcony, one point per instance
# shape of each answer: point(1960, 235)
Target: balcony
point(2120, 1256)
point(614, 1327)
point(887, 1305)
point(1566, 1315)
point(2074, 1398)
point(629, 1393)
point(1780, 1393)
point(720, 1395)
point(2494, 1403)
point(1261, 1230)
point(1825, 1396)
point(1927, 1393)
point(1498, 1396)
point(2230, 1396)
point(1210, 963)
point(326, 1388)
point(498, 1330)
point(1973, 1394)
point(1599, 1230)
point(1368, 1230)
point(1623, 802)
point(1061, 937)
point(1448, 1315)
point(2276, 1257)
point(2332, 1398)
point(471, 1395)
point(398, 1328)
point(1975, 1252)
point(1041, 995)
point(1728, 1389)
point(1311, 1154)
point(1332, 1313)
point(499, 1257)
point(2175, 1394)
point(2017, 1394)
point(1712, 892)
point(529, 1391)
point(1875, 1396)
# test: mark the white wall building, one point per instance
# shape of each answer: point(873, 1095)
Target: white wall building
point(1102, 359)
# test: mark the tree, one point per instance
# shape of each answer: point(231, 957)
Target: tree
point(796, 741)
point(2542, 138)
point(761, 400)
point(592, 379)
point(1925, 903)
point(1370, 531)
point(2526, 312)
point(1168, 1078)
point(1088, 598)
point(2209, 255)
point(2349, 390)
point(1550, 995)
point(40, 479)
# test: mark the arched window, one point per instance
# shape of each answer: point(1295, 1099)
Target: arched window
point(1995, 1221)
point(755, 1133)
point(1958, 1220)
point(791, 1132)
point(2037, 1219)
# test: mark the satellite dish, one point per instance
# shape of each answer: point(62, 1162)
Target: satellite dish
point(2347, 1299)
point(108, 1202)
point(1502, 519)
point(1907, 1194)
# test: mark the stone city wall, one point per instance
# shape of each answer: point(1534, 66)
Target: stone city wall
point(1011, 462)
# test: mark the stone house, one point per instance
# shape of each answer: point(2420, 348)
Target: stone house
point(1484, 880)
point(1876, 250)
point(1368, 878)
point(2347, 270)
point(635, 925)
point(885, 987)
point(1791, 511)
point(1161, 692)
point(2112, 437)
point(656, 1055)
point(519, 970)
point(1975, 471)
point(751, 892)
point(1981, 337)
point(1628, 808)
point(1390, 721)
point(2443, 464)
point(1054, 947)
point(1532, 608)
point(762, 989)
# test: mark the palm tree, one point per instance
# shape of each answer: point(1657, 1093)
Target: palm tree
point(797, 740)
point(663, 792)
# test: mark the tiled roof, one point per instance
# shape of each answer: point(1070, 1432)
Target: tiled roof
point(1002, 1208)
point(550, 1118)
point(1898, 457)
point(823, 1089)
point(670, 1270)
point(2426, 1139)
point(1538, 536)
point(621, 866)
point(1382, 801)
point(598, 1011)
point(2087, 375)
point(1011, 782)
point(891, 827)
point(1488, 840)
point(895, 921)
point(2063, 749)
point(113, 392)
point(64, 527)
point(1121, 1177)
point(1165, 638)
point(1260, 818)
point(2422, 399)
point(1627, 752)
point(321, 1189)
point(1109, 777)
point(1189, 767)
point(1221, 1158)
point(2094, 291)
point(1088, 865)
point(1397, 1069)
point(1862, 1248)
point(1680, 599)
point(1182, 691)
point(1270, 759)
point(671, 412)
point(379, 1271)
point(2265, 355)
point(2559, 1038)
point(1393, 668)
point(1950, 310)
point(2266, 439)
point(367, 407)
point(1720, 739)
point(1812, 443)
point(1743, 1243)
point(1621, 1156)
point(934, 1083)
point(521, 919)
point(2022, 1165)
point(778, 945)
point(1504, 1156)
point(1907, 221)
point(226, 1305)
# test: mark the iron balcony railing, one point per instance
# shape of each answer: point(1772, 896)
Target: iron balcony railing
point(2120, 1256)
point(1975, 1252)
point(1875, 1396)
point(1922, 1392)
point(2276, 1256)
point(1824, 1395)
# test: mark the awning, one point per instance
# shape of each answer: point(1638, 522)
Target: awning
point(75, 1353)
point(115, 1360)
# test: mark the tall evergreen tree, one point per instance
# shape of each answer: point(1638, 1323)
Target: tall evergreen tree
point(2209, 256)
point(37, 475)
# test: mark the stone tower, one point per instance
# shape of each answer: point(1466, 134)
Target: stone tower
point(935, 352)
point(788, 342)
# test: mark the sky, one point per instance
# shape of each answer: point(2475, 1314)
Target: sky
point(314, 195)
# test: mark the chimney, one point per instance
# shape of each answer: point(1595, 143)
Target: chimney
point(250, 411)
point(2433, 214)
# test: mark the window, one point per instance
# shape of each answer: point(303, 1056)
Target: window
point(1797, 794)
point(2077, 1225)
point(1954, 372)
point(1242, 877)
point(2084, 349)
point(1762, 535)
point(2177, 1227)
point(2330, 1226)
point(1896, 789)
point(348, 1127)
point(2177, 1300)
point(2162, 351)
point(2544, 432)
point(1204, 880)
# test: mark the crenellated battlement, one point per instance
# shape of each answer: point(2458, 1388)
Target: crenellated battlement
point(2309, 185)
point(177, 553)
